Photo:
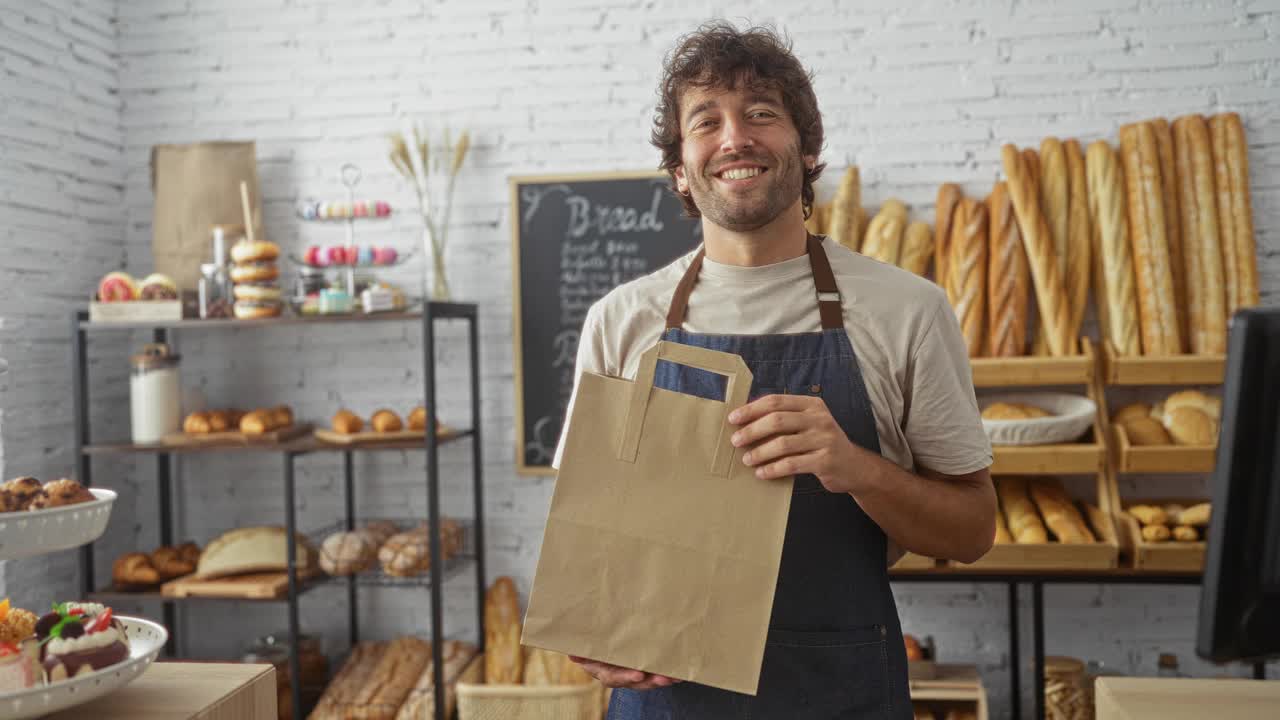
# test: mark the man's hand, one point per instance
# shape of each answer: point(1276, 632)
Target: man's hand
point(620, 677)
point(794, 435)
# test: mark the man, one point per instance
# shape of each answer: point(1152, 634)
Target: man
point(862, 387)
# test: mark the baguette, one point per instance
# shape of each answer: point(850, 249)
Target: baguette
point(944, 209)
point(1054, 197)
point(1079, 255)
point(884, 234)
point(1117, 300)
point(843, 224)
point(1201, 251)
point(1002, 529)
point(1008, 278)
point(1235, 211)
point(1157, 318)
point(356, 673)
point(391, 681)
point(503, 660)
point(1172, 224)
point(1024, 523)
point(1060, 514)
point(917, 248)
point(1038, 244)
point(421, 700)
point(969, 271)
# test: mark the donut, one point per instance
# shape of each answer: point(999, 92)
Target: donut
point(257, 251)
point(256, 291)
point(255, 309)
point(254, 272)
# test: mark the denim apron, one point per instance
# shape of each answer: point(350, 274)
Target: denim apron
point(834, 648)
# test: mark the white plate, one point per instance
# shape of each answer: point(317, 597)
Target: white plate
point(25, 533)
point(1072, 417)
point(145, 642)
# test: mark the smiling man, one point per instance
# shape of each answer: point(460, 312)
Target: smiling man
point(862, 388)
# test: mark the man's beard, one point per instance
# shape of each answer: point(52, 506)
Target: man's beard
point(752, 210)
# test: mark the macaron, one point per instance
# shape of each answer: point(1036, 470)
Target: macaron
point(365, 256)
point(314, 256)
point(360, 210)
point(336, 255)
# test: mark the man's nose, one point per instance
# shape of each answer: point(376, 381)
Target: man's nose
point(735, 136)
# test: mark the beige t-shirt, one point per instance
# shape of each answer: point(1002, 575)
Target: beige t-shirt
point(908, 342)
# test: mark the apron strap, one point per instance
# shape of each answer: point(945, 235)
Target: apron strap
point(829, 305)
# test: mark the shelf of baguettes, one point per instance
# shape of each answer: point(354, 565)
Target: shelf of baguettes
point(1120, 369)
point(1041, 527)
point(955, 691)
point(1160, 540)
point(1036, 369)
point(1170, 459)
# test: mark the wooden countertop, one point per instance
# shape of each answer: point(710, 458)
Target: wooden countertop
point(185, 691)
point(1121, 698)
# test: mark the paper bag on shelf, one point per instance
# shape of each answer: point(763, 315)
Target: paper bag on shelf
point(661, 548)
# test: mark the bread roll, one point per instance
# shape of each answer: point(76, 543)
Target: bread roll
point(418, 418)
point(884, 235)
point(1185, 533)
point(1235, 211)
point(1191, 426)
point(1130, 412)
point(1210, 406)
point(1059, 512)
point(219, 421)
point(405, 554)
point(917, 248)
point(347, 553)
point(843, 225)
point(1156, 305)
point(1149, 514)
point(1079, 243)
point(386, 421)
point(1038, 244)
point(969, 272)
point(1024, 523)
point(347, 422)
point(1116, 296)
point(197, 423)
point(134, 569)
point(170, 563)
point(281, 416)
point(1155, 533)
point(1172, 224)
point(1054, 197)
point(1146, 431)
point(256, 422)
point(1008, 278)
point(949, 197)
point(1196, 515)
point(503, 660)
point(1201, 249)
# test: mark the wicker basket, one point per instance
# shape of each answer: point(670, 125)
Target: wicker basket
point(478, 701)
point(1065, 697)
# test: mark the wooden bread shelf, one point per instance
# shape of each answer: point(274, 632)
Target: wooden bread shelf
point(954, 687)
point(1168, 555)
point(1161, 458)
point(1036, 369)
point(1162, 370)
point(912, 561)
point(1084, 458)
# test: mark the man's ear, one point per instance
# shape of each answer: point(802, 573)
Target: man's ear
point(682, 182)
point(810, 162)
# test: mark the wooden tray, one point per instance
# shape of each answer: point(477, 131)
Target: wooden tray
point(1162, 370)
point(236, 438)
point(1171, 555)
point(1102, 555)
point(1036, 370)
point(135, 311)
point(255, 586)
point(1161, 458)
point(373, 438)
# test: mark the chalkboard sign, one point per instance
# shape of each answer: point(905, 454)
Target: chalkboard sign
point(575, 238)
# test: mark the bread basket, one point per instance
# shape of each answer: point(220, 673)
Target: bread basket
point(1071, 417)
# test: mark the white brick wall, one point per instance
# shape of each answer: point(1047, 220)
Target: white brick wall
point(61, 194)
point(915, 94)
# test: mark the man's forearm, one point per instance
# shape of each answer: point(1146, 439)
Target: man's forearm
point(949, 517)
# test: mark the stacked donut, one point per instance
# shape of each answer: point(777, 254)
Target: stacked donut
point(253, 278)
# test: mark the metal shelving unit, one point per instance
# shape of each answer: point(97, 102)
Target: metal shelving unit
point(440, 570)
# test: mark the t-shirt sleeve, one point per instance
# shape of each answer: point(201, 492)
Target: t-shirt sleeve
point(943, 425)
point(590, 359)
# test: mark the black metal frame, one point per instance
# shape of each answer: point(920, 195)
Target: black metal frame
point(431, 312)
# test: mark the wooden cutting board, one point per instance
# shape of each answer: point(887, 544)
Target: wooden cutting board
point(373, 438)
point(236, 437)
point(255, 586)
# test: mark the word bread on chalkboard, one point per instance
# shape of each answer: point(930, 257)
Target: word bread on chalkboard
point(575, 238)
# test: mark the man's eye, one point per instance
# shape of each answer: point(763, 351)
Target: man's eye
point(761, 114)
point(703, 124)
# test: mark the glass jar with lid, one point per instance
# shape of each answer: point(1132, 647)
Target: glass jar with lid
point(313, 666)
point(154, 394)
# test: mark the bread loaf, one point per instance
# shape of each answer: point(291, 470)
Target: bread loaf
point(1038, 244)
point(843, 225)
point(1002, 529)
point(1185, 533)
point(917, 248)
point(421, 701)
point(254, 549)
point(1191, 426)
point(346, 553)
point(1008, 278)
point(356, 673)
point(1211, 406)
point(1156, 304)
point(1201, 250)
point(944, 209)
point(1196, 515)
point(405, 554)
point(393, 676)
point(969, 271)
point(1235, 211)
point(1172, 223)
point(134, 569)
point(1148, 514)
point(1130, 412)
point(1024, 523)
point(1054, 196)
point(1155, 533)
point(1059, 513)
point(1117, 299)
point(884, 235)
point(1079, 244)
point(503, 659)
point(1146, 431)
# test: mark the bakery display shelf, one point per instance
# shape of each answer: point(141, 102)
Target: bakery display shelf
point(115, 594)
point(111, 448)
point(454, 566)
point(1083, 458)
point(1117, 575)
point(1162, 370)
point(1036, 369)
point(314, 444)
point(1161, 459)
point(1168, 555)
point(438, 310)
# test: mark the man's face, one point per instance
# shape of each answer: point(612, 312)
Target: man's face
point(741, 156)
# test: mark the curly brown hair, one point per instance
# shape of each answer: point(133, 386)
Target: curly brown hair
point(717, 54)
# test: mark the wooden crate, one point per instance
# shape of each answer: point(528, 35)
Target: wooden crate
point(1036, 370)
point(1171, 555)
point(954, 687)
point(1119, 369)
point(134, 311)
point(1131, 458)
point(1082, 458)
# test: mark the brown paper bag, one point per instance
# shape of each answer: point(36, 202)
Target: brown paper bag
point(196, 187)
point(661, 548)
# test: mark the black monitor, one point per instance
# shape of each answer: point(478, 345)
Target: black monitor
point(1240, 597)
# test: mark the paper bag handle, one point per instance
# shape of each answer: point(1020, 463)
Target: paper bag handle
point(722, 363)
